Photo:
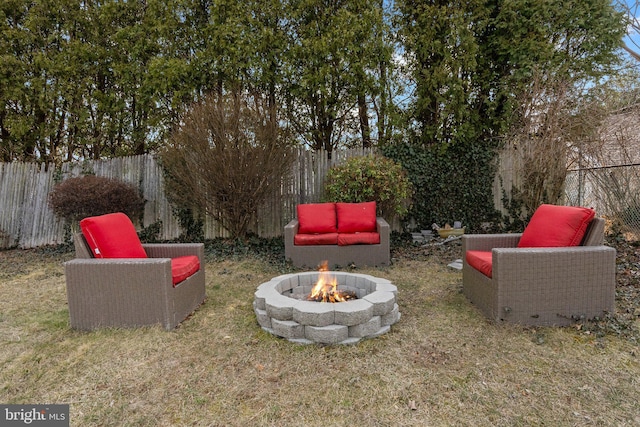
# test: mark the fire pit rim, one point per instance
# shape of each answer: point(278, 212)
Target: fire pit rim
point(297, 320)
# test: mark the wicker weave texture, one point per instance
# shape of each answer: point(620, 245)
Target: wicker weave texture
point(542, 286)
point(131, 292)
point(360, 255)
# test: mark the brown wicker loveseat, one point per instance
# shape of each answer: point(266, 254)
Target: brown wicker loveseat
point(339, 233)
point(145, 288)
point(540, 285)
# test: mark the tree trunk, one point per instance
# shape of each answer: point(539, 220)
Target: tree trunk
point(364, 121)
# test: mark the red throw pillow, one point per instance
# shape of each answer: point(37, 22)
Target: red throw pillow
point(317, 218)
point(183, 267)
point(481, 261)
point(365, 238)
point(356, 217)
point(315, 239)
point(556, 226)
point(112, 236)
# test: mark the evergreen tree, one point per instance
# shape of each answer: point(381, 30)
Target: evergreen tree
point(337, 47)
point(470, 61)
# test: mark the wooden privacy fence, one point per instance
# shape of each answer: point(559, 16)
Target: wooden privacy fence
point(26, 221)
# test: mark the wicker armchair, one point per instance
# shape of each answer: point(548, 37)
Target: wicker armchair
point(542, 286)
point(129, 292)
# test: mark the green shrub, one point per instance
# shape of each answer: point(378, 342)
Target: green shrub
point(370, 178)
point(191, 224)
point(91, 195)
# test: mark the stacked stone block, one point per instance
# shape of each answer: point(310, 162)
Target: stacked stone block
point(279, 312)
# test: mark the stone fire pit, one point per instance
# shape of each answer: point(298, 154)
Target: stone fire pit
point(282, 309)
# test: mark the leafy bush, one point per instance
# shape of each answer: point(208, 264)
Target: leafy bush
point(455, 184)
point(91, 195)
point(370, 178)
point(151, 233)
point(191, 224)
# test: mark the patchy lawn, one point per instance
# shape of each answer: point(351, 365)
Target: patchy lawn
point(443, 363)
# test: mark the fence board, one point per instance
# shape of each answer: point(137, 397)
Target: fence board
point(27, 221)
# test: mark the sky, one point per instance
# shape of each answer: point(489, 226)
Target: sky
point(633, 38)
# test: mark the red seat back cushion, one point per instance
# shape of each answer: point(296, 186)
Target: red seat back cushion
point(183, 267)
point(481, 261)
point(366, 238)
point(356, 217)
point(315, 239)
point(112, 236)
point(556, 226)
point(317, 218)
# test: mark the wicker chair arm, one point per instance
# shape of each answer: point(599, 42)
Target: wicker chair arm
point(173, 250)
point(290, 230)
point(383, 228)
point(486, 242)
point(520, 267)
point(116, 272)
point(119, 292)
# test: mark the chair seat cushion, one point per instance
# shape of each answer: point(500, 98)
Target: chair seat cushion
point(356, 217)
point(316, 218)
point(183, 267)
point(112, 236)
point(366, 238)
point(481, 261)
point(315, 239)
point(556, 226)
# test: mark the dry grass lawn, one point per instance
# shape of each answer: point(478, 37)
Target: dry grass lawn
point(441, 364)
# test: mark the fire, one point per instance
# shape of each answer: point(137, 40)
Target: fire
point(326, 288)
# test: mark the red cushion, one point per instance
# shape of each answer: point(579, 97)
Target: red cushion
point(315, 239)
point(480, 260)
point(366, 238)
point(556, 226)
point(317, 218)
point(112, 236)
point(183, 267)
point(354, 217)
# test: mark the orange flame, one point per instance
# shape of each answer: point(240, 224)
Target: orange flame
point(326, 288)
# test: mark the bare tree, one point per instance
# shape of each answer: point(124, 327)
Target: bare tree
point(226, 158)
point(630, 9)
point(555, 128)
point(611, 173)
